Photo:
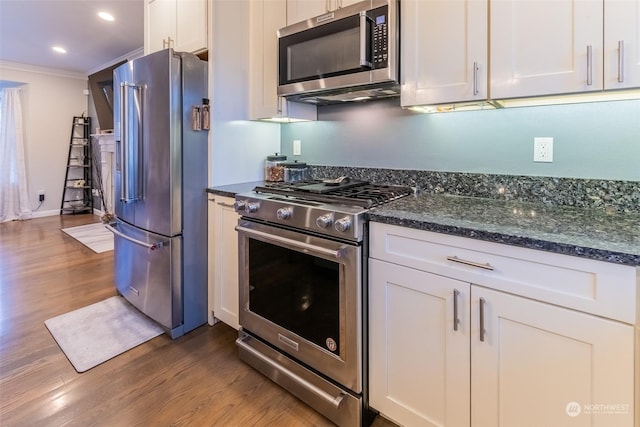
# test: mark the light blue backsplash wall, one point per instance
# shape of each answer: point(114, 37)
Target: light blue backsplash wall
point(591, 140)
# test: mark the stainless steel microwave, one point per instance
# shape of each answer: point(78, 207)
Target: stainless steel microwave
point(350, 54)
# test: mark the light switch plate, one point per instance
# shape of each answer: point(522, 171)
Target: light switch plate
point(296, 147)
point(543, 149)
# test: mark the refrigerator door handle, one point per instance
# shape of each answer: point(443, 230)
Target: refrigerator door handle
point(150, 246)
point(131, 142)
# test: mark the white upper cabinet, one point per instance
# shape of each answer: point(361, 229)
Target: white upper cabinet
point(299, 10)
point(444, 51)
point(181, 25)
point(266, 17)
point(191, 25)
point(621, 44)
point(545, 47)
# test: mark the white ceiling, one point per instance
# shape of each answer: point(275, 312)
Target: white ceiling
point(29, 29)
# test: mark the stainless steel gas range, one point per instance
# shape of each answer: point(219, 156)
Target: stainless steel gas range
point(303, 298)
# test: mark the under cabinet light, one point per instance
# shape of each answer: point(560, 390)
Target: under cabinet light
point(282, 120)
point(620, 95)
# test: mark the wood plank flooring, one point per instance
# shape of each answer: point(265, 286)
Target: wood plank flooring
point(196, 380)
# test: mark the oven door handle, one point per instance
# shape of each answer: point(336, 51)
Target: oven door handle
point(294, 243)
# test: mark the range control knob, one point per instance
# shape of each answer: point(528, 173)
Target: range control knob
point(251, 207)
point(325, 220)
point(343, 224)
point(284, 213)
point(238, 205)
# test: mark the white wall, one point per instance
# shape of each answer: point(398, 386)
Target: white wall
point(238, 146)
point(50, 99)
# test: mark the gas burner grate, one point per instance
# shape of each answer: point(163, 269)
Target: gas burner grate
point(364, 195)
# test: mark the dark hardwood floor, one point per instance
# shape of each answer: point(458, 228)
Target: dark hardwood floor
point(196, 380)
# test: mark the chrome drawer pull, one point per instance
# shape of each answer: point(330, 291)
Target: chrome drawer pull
point(485, 266)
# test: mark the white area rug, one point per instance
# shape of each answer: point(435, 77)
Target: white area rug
point(96, 333)
point(94, 236)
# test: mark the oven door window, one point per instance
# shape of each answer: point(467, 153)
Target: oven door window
point(296, 291)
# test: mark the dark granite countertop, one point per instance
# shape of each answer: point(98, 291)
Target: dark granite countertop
point(231, 190)
point(604, 235)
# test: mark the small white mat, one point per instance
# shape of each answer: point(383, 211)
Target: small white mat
point(94, 236)
point(96, 333)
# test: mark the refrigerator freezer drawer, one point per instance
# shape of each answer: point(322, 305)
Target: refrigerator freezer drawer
point(148, 273)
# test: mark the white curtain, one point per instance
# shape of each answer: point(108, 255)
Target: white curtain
point(14, 196)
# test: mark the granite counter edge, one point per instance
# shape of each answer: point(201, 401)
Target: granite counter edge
point(230, 190)
point(530, 243)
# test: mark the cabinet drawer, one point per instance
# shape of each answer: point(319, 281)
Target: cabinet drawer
point(596, 287)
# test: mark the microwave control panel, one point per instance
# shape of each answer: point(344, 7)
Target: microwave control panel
point(380, 43)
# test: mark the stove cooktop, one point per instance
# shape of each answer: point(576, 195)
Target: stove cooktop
point(352, 193)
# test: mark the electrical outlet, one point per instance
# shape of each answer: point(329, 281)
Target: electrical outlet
point(296, 147)
point(543, 149)
point(41, 196)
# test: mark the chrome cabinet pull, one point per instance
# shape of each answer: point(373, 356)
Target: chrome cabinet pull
point(475, 79)
point(482, 330)
point(456, 321)
point(485, 266)
point(589, 65)
point(225, 205)
point(620, 61)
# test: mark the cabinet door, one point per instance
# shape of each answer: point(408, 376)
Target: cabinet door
point(621, 44)
point(299, 10)
point(191, 26)
point(266, 17)
point(444, 51)
point(211, 258)
point(418, 363)
point(160, 25)
point(542, 365)
point(225, 303)
point(545, 47)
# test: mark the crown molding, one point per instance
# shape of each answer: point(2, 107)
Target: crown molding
point(16, 66)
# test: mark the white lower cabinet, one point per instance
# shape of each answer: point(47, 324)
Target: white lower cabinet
point(536, 363)
point(419, 365)
point(445, 349)
point(223, 261)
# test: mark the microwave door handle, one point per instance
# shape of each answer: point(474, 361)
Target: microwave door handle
point(364, 36)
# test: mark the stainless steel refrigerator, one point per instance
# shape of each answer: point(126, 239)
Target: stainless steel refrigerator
point(160, 181)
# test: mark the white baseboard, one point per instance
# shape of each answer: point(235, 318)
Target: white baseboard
point(45, 213)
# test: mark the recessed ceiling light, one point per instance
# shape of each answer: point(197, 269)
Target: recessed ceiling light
point(59, 49)
point(106, 16)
